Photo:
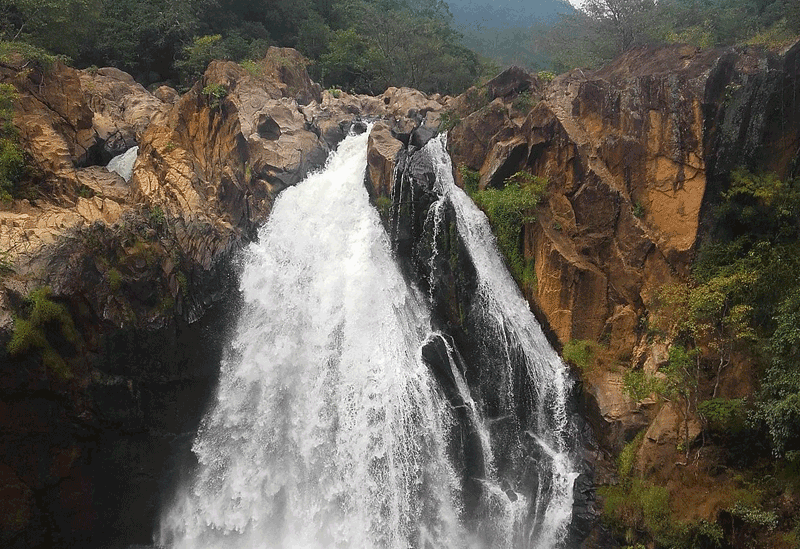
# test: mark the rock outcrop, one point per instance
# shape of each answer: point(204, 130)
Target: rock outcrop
point(633, 154)
point(146, 271)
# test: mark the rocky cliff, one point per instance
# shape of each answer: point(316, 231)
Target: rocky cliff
point(141, 272)
point(634, 155)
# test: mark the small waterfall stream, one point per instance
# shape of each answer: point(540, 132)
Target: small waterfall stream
point(329, 430)
point(507, 319)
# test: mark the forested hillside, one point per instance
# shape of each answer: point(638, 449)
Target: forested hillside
point(367, 45)
point(603, 29)
point(363, 45)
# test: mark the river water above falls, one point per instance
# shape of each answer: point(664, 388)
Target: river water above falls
point(329, 430)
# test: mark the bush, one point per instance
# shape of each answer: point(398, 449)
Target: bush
point(508, 210)
point(471, 179)
point(722, 415)
point(580, 352)
point(199, 54)
point(448, 120)
point(214, 94)
point(26, 55)
point(114, 278)
point(30, 331)
point(12, 160)
point(157, 216)
point(384, 206)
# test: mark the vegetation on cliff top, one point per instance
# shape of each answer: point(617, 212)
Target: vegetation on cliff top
point(603, 29)
point(361, 45)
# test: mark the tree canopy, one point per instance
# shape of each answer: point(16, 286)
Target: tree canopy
point(362, 45)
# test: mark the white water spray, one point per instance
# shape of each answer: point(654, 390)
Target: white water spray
point(502, 304)
point(328, 430)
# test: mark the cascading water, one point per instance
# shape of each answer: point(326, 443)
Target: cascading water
point(507, 319)
point(329, 430)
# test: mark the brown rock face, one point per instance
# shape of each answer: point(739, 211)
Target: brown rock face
point(142, 268)
point(381, 159)
point(626, 151)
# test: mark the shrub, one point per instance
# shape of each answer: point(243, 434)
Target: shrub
point(639, 385)
point(627, 457)
point(114, 278)
point(252, 67)
point(12, 160)
point(157, 216)
point(384, 206)
point(580, 352)
point(471, 179)
point(724, 415)
point(448, 120)
point(638, 209)
point(30, 332)
point(183, 283)
point(523, 102)
point(546, 76)
point(214, 94)
point(29, 56)
point(199, 54)
point(508, 210)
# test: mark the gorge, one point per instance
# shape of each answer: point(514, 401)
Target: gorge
point(221, 234)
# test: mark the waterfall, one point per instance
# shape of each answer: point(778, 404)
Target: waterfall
point(507, 319)
point(123, 163)
point(329, 430)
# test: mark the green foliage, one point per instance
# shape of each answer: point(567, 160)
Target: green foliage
point(639, 385)
point(27, 55)
point(214, 94)
point(724, 415)
point(603, 29)
point(755, 516)
point(636, 507)
point(157, 216)
point(471, 179)
point(183, 283)
point(199, 54)
point(252, 67)
point(351, 61)
point(546, 76)
point(448, 120)
point(114, 278)
point(358, 44)
point(12, 160)
point(580, 352)
point(508, 210)
point(638, 209)
point(749, 293)
point(29, 334)
point(384, 206)
point(523, 102)
point(6, 266)
point(627, 458)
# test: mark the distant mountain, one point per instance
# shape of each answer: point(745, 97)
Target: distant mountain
point(501, 29)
